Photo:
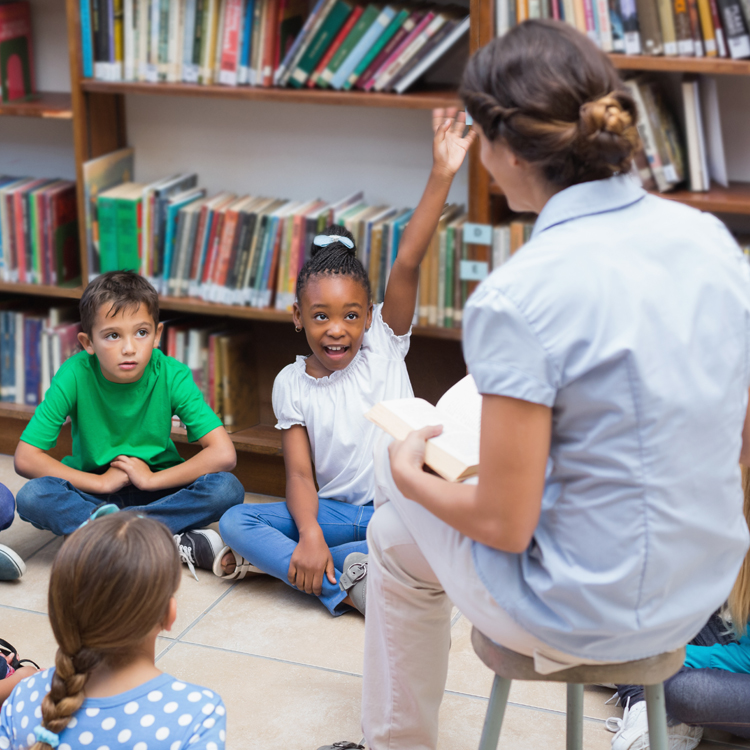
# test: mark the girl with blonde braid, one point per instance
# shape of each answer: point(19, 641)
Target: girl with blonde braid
point(111, 593)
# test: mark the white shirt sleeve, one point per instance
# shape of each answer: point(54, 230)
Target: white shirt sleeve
point(382, 340)
point(502, 352)
point(286, 399)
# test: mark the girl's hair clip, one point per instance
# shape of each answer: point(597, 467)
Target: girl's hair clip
point(45, 735)
point(323, 240)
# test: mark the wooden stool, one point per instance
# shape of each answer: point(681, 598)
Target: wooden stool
point(508, 666)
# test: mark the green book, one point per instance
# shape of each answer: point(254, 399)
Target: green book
point(128, 211)
point(320, 43)
point(382, 40)
point(107, 215)
point(366, 20)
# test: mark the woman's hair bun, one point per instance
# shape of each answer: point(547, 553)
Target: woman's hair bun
point(605, 115)
point(335, 230)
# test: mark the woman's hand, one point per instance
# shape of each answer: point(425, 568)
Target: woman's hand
point(407, 457)
point(450, 145)
point(311, 561)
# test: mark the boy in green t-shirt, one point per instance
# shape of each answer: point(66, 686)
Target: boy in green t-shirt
point(120, 394)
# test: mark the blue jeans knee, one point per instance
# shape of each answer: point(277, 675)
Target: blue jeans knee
point(225, 490)
point(7, 507)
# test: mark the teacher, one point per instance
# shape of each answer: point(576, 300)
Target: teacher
point(613, 356)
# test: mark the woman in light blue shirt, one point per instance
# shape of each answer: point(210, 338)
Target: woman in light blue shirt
point(613, 356)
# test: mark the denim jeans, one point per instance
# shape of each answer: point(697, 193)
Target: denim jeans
point(712, 698)
point(55, 504)
point(266, 535)
point(7, 507)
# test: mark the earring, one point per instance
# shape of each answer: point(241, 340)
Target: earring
point(298, 330)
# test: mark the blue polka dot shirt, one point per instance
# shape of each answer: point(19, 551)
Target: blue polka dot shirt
point(161, 714)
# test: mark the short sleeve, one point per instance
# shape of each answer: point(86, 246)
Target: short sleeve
point(190, 406)
point(211, 733)
point(502, 352)
point(287, 399)
point(44, 427)
point(382, 340)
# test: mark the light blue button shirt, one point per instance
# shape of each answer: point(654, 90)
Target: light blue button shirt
point(629, 315)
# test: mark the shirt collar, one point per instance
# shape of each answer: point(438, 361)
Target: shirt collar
point(588, 198)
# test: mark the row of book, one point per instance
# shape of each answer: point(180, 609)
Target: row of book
point(39, 231)
point(33, 345)
point(711, 28)
point(339, 44)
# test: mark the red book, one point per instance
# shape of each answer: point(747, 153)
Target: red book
point(335, 44)
point(227, 241)
point(231, 42)
point(270, 42)
point(721, 43)
point(213, 247)
point(16, 55)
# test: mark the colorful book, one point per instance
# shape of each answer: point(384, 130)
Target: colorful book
point(390, 31)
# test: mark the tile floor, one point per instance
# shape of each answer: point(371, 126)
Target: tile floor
point(290, 674)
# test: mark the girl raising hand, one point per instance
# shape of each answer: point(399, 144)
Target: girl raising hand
point(315, 541)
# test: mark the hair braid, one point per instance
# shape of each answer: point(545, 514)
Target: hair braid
point(335, 258)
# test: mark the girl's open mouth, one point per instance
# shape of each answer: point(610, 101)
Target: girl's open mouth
point(336, 352)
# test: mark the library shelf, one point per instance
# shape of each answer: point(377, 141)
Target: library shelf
point(52, 105)
point(41, 290)
point(706, 65)
point(418, 100)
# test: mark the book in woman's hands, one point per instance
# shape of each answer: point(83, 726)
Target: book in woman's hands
point(454, 454)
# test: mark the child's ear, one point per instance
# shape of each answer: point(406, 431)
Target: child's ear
point(297, 316)
point(369, 317)
point(171, 615)
point(85, 342)
point(159, 331)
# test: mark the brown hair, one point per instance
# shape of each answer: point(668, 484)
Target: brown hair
point(110, 586)
point(739, 598)
point(119, 289)
point(554, 98)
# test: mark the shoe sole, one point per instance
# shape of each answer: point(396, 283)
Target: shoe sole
point(15, 559)
point(237, 574)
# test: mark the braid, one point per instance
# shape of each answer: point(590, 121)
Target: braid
point(335, 258)
point(67, 690)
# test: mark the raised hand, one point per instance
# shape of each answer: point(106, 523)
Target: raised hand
point(450, 145)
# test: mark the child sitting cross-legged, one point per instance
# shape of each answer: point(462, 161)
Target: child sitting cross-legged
point(111, 592)
point(315, 541)
point(120, 394)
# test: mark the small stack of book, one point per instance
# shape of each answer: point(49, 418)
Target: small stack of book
point(33, 344)
point(339, 44)
point(710, 28)
point(39, 231)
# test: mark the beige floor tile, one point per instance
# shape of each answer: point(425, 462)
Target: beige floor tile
point(30, 592)
point(461, 720)
point(24, 539)
point(195, 597)
point(466, 674)
point(264, 616)
point(30, 633)
point(271, 704)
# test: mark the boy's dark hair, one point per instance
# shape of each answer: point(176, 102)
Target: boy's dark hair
point(119, 289)
point(335, 258)
point(555, 99)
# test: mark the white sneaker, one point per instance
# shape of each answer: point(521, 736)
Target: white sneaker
point(241, 569)
point(631, 732)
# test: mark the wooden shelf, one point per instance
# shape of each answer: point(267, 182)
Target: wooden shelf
point(419, 100)
point(41, 290)
point(53, 105)
point(732, 200)
point(706, 65)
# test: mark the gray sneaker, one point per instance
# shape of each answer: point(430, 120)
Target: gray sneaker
point(12, 567)
point(354, 579)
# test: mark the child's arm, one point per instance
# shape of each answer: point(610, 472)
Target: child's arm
point(311, 560)
point(449, 148)
point(32, 462)
point(217, 454)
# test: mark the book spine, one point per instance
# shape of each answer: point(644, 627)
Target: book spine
point(605, 26)
point(32, 375)
point(615, 19)
point(312, 81)
point(631, 28)
point(648, 21)
point(666, 20)
point(364, 22)
point(107, 214)
point(270, 43)
point(118, 38)
point(390, 31)
point(399, 49)
point(128, 235)
point(87, 46)
point(366, 43)
point(685, 43)
point(20, 205)
point(230, 43)
point(247, 35)
point(695, 28)
point(707, 27)
point(735, 29)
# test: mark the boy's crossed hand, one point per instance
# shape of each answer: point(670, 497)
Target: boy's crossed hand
point(135, 471)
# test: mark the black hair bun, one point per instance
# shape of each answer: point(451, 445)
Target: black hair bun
point(338, 231)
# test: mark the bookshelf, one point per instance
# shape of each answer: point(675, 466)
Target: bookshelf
point(47, 104)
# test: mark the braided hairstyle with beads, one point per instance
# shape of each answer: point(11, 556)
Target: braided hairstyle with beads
point(110, 586)
point(335, 258)
point(554, 98)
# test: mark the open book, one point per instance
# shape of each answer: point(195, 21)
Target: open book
point(454, 454)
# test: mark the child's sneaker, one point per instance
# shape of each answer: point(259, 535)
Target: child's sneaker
point(198, 548)
point(632, 731)
point(241, 566)
point(354, 579)
point(12, 567)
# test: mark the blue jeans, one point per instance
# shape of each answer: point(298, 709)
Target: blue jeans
point(55, 504)
point(266, 535)
point(7, 507)
point(712, 698)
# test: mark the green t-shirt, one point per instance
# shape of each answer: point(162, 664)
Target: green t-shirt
point(114, 419)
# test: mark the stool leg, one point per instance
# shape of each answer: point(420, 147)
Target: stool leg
point(574, 723)
point(495, 713)
point(657, 717)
